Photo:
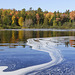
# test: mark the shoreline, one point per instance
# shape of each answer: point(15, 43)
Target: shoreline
point(39, 29)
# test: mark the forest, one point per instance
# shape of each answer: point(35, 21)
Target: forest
point(17, 19)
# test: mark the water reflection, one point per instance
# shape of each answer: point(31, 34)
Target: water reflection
point(14, 38)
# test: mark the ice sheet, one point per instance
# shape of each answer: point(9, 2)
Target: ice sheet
point(40, 44)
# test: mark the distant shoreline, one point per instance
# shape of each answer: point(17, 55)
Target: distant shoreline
point(39, 29)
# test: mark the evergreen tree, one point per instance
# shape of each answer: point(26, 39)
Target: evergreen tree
point(54, 23)
point(55, 15)
point(59, 24)
point(45, 21)
point(58, 14)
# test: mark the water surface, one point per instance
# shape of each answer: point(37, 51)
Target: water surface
point(16, 54)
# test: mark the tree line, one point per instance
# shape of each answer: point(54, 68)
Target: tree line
point(12, 18)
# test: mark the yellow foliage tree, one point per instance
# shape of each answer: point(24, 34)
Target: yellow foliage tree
point(13, 19)
point(20, 21)
point(49, 15)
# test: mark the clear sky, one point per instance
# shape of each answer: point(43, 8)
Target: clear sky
point(50, 5)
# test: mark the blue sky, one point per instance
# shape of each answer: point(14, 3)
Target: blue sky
point(50, 5)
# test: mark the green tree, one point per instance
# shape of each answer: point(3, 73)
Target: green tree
point(6, 20)
point(39, 10)
point(41, 15)
point(59, 24)
point(54, 23)
point(34, 19)
point(58, 14)
point(45, 21)
point(30, 9)
point(0, 17)
point(68, 12)
point(23, 14)
point(55, 15)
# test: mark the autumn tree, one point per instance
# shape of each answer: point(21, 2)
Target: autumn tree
point(27, 23)
point(38, 18)
point(64, 18)
point(20, 21)
point(72, 15)
point(13, 19)
point(50, 16)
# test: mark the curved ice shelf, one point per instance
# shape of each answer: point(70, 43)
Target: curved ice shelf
point(41, 44)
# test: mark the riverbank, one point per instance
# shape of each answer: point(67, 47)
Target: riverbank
point(39, 27)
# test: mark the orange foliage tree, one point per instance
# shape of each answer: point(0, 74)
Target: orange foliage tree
point(72, 15)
